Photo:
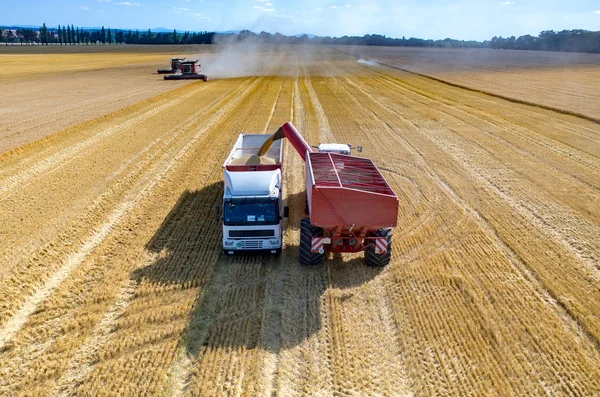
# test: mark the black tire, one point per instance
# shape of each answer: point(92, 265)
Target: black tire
point(379, 260)
point(307, 232)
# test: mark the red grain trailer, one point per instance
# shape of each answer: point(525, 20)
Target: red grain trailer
point(352, 208)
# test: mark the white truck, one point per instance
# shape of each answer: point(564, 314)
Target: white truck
point(252, 209)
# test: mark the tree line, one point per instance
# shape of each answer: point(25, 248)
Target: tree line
point(566, 40)
point(70, 35)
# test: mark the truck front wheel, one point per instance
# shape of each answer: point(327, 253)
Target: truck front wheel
point(307, 232)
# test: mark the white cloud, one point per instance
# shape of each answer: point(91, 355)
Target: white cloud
point(319, 9)
point(507, 3)
point(201, 16)
point(597, 12)
point(104, 1)
point(84, 8)
point(263, 1)
point(264, 9)
point(126, 3)
point(335, 7)
point(181, 9)
point(268, 4)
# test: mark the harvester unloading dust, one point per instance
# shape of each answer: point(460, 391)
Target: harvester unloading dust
point(190, 70)
point(174, 66)
point(351, 207)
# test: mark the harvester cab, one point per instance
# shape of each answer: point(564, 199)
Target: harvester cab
point(175, 62)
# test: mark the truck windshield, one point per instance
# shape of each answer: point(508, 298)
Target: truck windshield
point(250, 214)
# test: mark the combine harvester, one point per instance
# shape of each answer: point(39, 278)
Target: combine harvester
point(174, 66)
point(351, 207)
point(190, 70)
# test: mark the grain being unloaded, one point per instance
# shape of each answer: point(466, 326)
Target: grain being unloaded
point(252, 159)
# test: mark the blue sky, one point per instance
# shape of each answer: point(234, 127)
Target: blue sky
point(435, 19)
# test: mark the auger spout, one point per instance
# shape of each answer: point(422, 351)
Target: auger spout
point(287, 131)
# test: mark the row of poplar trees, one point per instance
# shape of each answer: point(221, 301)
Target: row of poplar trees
point(70, 35)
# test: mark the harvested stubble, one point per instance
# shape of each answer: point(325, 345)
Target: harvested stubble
point(118, 286)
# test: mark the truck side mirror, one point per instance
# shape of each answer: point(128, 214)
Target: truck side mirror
point(286, 211)
point(359, 148)
point(218, 211)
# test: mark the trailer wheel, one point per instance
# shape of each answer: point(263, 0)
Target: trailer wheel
point(378, 260)
point(307, 232)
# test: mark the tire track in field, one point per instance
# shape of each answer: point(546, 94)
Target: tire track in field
point(352, 98)
point(576, 171)
point(507, 98)
point(534, 131)
point(348, 282)
point(50, 251)
point(303, 366)
point(560, 221)
point(39, 121)
point(188, 245)
point(67, 155)
point(557, 218)
point(156, 174)
point(222, 355)
point(126, 228)
point(271, 338)
point(549, 295)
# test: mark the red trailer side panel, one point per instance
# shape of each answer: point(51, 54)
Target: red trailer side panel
point(346, 191)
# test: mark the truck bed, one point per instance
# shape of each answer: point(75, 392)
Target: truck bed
point(248, 144)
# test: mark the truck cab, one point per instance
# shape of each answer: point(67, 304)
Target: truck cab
point(252, 209)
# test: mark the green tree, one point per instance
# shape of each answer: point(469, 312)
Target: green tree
point(64, 35)
point(137, 37)
point(9, 36)
point(103, 35)
point(79, 31)
point(109, 36)
point(44, 34)
point(72, 35)
point(174, 36)
point(59, 34)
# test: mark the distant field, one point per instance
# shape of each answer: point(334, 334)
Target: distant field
point(112, 281)
point(48, 89)
point(569, 81)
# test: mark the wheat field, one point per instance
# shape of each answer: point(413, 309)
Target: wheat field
point(112, 281)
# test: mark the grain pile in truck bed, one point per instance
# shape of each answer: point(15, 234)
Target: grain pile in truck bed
point(253, 159)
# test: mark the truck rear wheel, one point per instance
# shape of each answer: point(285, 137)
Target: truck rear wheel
point(374, 259)
point(307, 232)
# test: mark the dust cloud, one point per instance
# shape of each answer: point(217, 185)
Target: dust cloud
point(253, 56)
point(367, 62)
